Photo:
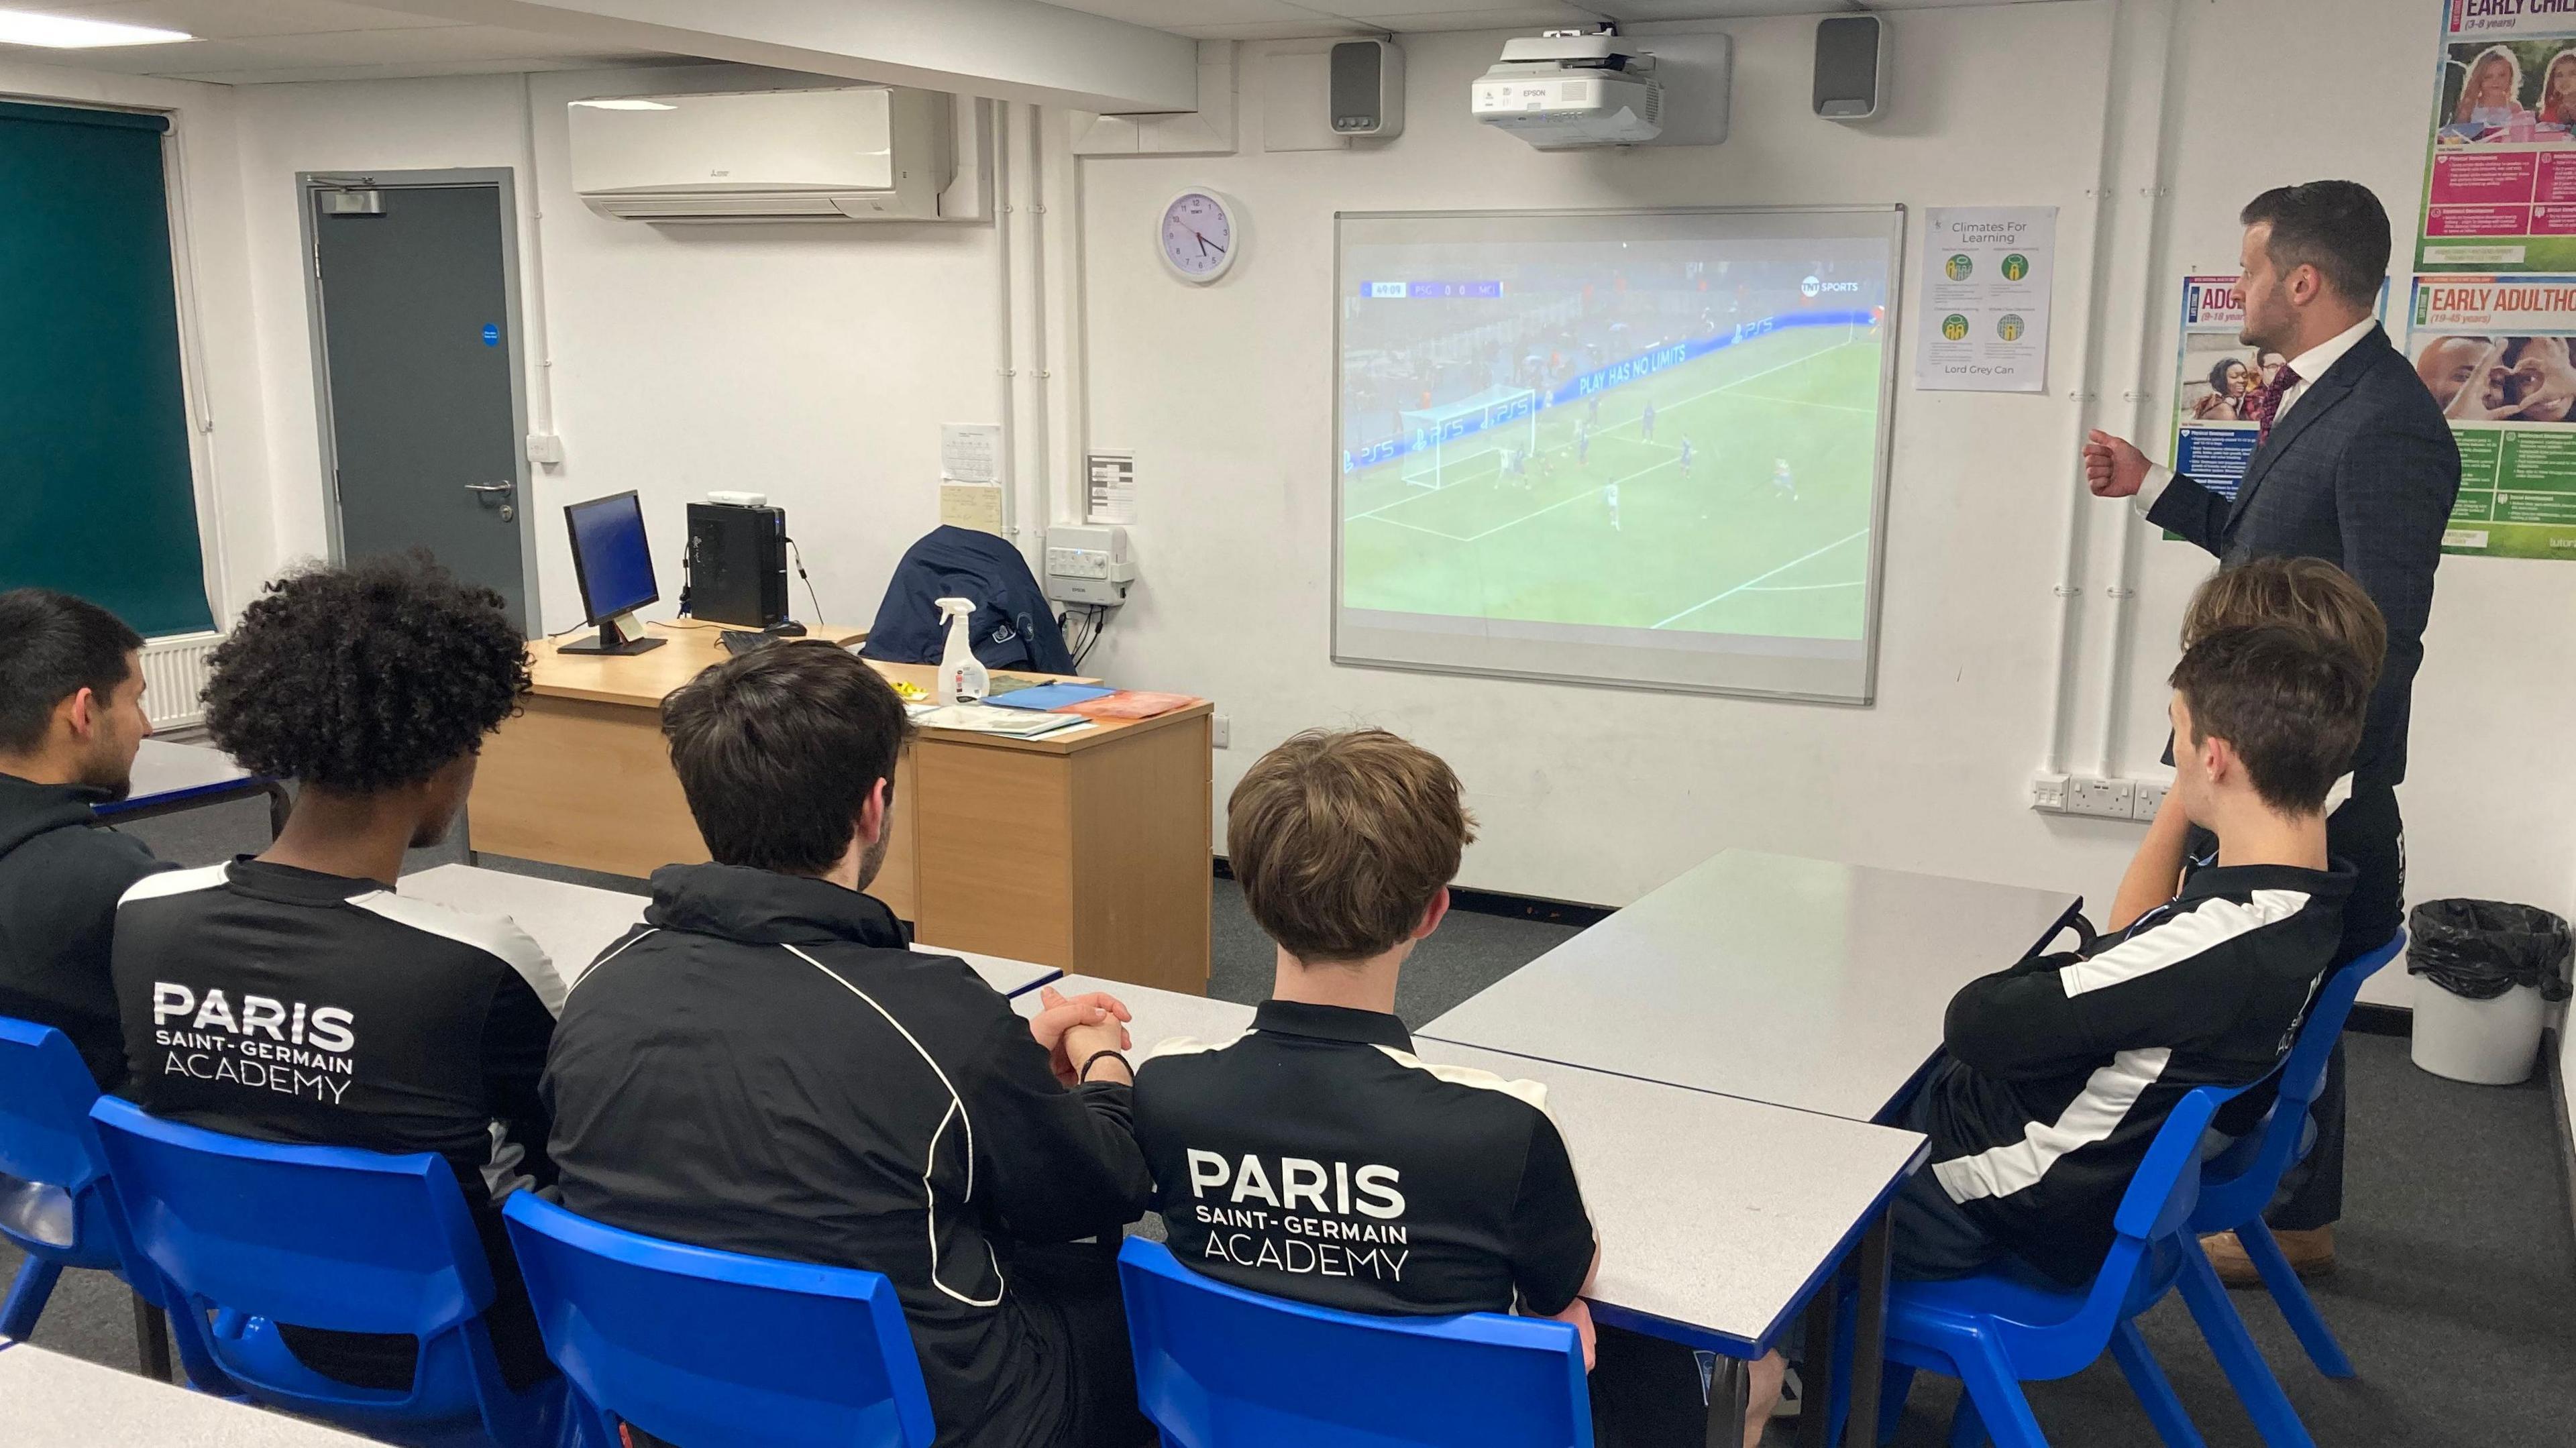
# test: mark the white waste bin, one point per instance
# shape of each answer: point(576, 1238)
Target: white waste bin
point(2490, 969)
point(2485, 1043)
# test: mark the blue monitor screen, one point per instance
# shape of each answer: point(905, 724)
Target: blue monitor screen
point(609, 556)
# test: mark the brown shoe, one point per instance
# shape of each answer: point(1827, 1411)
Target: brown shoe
point(2311, 1253)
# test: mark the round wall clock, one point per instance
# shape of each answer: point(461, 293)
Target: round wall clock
point(1200, 234)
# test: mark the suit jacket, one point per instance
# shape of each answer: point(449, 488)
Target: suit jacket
point(2361, 474)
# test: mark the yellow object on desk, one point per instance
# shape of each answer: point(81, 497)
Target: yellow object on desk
point(1086, 850)
point(910, 692)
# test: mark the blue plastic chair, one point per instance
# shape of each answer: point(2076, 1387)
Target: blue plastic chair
point(256, 1233)
point(1997, 1330)
point(54, 1204)
point(1220, 1367)
point(715, 1349)
point(2237, 1187)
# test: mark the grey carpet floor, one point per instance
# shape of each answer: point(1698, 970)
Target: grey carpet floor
point(2456, 1298)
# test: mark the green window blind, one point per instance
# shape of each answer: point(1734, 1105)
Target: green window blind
point(96, 494)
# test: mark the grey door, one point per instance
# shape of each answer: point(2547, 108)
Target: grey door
point(422, 416)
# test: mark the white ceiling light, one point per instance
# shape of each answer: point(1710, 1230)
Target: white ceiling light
point(632, 104)
point(64, 32)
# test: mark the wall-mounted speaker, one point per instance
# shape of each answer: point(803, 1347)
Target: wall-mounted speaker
point(1851, 66)
point(1367, 88)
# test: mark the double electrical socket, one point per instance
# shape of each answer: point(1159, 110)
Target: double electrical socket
point(2084, 794)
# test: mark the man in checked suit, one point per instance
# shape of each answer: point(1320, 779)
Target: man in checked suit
point(2355, 466)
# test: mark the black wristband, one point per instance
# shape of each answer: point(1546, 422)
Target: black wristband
point(1083, 1076)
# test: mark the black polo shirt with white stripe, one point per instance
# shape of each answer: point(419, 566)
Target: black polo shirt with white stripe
point(289, 1005)
point(1315, 1157)
point(2068, 1064)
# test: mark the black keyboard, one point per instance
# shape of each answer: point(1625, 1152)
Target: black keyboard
point(743, 641)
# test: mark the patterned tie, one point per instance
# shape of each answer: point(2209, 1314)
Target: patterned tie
point(2267, 402)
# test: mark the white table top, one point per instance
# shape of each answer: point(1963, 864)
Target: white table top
point(164, 768)
point(1716, 1215)
point(1795, 982)
point(52, 1401)
point(574, 923)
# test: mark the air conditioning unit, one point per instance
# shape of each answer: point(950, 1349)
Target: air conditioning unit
point(875, 153)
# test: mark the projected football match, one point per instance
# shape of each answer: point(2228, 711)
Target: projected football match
point(1640, 448)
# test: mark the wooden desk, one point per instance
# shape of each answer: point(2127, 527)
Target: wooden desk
point(1086, 850)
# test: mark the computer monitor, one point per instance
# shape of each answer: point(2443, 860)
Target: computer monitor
point(615, 569)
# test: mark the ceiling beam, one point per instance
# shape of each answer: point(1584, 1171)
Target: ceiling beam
point(1019, 50)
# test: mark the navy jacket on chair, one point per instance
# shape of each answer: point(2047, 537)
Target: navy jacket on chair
point(1013, 626)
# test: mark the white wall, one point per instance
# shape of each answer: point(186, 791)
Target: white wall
point(810, 362)
point(815, 363)
point(1225, 393)
point(208, 242)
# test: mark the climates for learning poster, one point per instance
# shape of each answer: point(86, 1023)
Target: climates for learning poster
point(2500, 188)
point(1986, 277)
point(2499, 353)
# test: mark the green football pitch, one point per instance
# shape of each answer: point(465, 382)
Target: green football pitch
point(1721, 549)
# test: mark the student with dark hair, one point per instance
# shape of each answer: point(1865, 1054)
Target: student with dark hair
point(71, 719)
point(2356, 465)
point(297, 996)
point(1316, 1157)
point(2060, 1070)
point(764, 1067)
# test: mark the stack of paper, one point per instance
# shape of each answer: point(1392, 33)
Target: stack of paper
point(985, 719)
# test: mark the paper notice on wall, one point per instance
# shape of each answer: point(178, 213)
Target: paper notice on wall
point(971, 505)
point(2500, 184)
point(2496, 351)
point(1987, 271)
point(970, 452)
point(1110, 488)
point(2214, 386)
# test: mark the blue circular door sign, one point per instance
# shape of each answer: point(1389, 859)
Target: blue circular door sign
point(491, 334)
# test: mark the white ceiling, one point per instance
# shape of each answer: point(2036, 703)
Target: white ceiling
point(245, 42)
point(1299, 19)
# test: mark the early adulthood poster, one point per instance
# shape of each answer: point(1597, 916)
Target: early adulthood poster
point(2499, 353)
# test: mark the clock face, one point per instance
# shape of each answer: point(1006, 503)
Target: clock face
point(1198, 236)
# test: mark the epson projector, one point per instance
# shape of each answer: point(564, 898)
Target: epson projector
point(1564, 90)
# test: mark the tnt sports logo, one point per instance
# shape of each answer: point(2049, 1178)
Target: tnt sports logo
point(2016, 267)
point(2009, 327)
point(1954, 327)
point(1958, 268)
point(1812, 287)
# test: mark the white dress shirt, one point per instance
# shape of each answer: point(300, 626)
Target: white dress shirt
point(2309, 365)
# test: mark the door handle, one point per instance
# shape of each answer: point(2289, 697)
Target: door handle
point(492, 487)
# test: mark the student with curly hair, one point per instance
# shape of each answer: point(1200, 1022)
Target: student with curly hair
point(296, 996)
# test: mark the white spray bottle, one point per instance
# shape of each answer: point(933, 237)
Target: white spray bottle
point(962, 679)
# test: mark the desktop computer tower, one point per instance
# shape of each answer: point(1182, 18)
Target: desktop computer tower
point(738, 564)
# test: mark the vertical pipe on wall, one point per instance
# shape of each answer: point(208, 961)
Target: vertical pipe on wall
point(532, 286)
point(997, 119)
point(2152, 294)
point(1043, 484)
point(2070, 569)
point(1072, 386)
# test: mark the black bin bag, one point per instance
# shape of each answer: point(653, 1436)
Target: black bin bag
point(2479, 949)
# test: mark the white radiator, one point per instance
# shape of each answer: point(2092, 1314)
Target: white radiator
point(174, 678)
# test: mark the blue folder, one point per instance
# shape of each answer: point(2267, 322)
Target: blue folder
point(1049, 696)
